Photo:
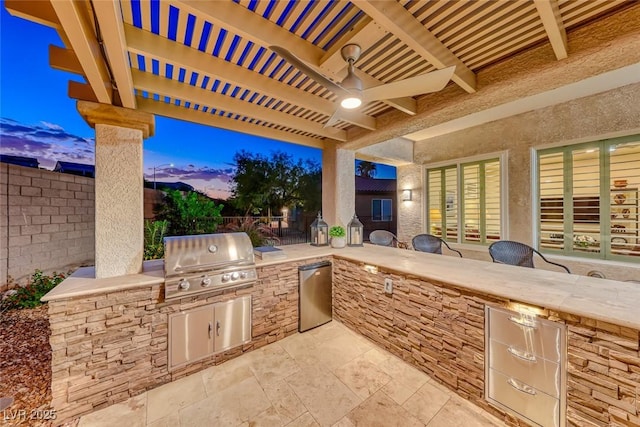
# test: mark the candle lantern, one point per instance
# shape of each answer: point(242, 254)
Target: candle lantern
point(354, 232)
point(319, 232)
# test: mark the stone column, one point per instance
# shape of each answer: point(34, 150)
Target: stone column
point(119, 186)
point(411, 214)
point(338, 185)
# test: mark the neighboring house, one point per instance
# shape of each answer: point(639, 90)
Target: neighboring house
point(72, 168)
point(180, 186)
point(376, 201)
point(28, 162)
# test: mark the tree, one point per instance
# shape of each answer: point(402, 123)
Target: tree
point(189, 213)
point(264, 183)
point(366, 169)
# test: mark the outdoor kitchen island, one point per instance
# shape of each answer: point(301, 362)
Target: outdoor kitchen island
point(109, 336)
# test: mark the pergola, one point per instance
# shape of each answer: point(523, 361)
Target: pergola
point(210, 62)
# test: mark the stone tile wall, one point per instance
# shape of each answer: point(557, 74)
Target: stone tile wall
point(46, 222)
point(109, 347)
point(440, 329)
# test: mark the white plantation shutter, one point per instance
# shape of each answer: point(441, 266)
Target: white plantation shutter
point(471, 204)
point(588, 199)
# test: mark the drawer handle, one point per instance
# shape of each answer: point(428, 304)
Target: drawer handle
point(521, 387)
point(521, 321)
point(522, 354)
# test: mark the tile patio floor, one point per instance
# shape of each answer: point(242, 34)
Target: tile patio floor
point(328, 376)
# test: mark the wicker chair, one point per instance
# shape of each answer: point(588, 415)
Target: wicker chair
point(430, 243)
point(382, 238)
point(516, 253)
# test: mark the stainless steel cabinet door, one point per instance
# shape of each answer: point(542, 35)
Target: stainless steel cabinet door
point(232, 325)
point(315, 306)
point(190, 335)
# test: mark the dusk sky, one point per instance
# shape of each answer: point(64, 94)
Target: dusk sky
point(38, 119)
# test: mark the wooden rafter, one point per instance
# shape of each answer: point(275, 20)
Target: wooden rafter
point(549, 12)
point(146, 43)
point(252, 26)
point(109, 16)
point(190, 115)
point(395, 18)
point(76, 24)
point(175, 89)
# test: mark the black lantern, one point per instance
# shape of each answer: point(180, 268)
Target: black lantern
point(354, 232)
point(319, 232)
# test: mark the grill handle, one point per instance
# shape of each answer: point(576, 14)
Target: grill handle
point(212, 266)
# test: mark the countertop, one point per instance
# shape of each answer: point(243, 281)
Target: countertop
point(601, 299)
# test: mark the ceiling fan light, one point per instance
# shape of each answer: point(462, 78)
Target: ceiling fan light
point(351, 102)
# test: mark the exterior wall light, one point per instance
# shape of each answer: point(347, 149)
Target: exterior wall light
point(406, 195)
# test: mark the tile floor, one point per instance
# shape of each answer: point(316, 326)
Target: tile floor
point(328, 376)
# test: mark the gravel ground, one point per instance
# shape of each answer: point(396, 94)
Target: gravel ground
point(25, 367)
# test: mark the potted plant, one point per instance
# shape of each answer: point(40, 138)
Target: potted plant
point(338, 236)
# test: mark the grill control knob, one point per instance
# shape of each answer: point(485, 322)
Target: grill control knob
point(235, 275)
point(226, 277)
point(183, 285)
point(244, 275)
point(206, 281)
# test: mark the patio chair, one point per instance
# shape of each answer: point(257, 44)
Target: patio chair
point(516, 253)
point(430, 243)
point(382, 238)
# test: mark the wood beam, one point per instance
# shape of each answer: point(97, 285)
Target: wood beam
point(64, 60)
point(109, 15)
point(251, 26)
point(395, 18)
point(175, 89)
point(76, 24)
point(549, 12)
point(41, 12)
point(80, 91)
point(148, 44)
point(190, 115)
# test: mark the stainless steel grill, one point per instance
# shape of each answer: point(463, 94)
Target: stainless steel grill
point(207, 262)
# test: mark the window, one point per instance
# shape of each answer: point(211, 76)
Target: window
point(465, 196)
point(381, 210)
point(588, 197)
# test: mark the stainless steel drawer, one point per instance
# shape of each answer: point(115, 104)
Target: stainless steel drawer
point(530, 334)
point(526, 367)
point(529, 402)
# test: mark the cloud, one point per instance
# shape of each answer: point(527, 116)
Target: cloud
point(45, 141)
point(191, 172)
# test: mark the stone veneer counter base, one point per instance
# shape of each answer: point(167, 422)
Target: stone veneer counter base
point(109, 336)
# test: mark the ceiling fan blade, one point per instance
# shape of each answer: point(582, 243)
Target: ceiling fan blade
point(424, 83)
point(309, 71)
point(335, 118)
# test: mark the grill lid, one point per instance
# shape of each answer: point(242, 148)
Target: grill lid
point(206, 252)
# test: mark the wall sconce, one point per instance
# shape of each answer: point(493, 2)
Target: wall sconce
point(406, 195)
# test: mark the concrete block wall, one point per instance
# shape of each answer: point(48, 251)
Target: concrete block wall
point(46, 222)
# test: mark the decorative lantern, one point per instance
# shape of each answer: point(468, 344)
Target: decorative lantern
point(354, 232)
point(319, 232)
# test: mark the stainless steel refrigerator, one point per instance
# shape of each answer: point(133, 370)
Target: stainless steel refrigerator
point(314, 307)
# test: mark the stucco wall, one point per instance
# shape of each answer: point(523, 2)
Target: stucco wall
point(46, 222)
point(612, 113)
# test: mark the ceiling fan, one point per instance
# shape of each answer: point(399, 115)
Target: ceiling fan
point(350, 91)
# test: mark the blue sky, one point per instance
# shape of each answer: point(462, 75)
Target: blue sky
point(38, 119)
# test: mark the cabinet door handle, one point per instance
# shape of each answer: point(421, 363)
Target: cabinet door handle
point(522, 354)
point(210, 329)
point(521, 387)
point(521, 321)
point(217, 328)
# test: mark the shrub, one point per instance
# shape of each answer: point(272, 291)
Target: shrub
point(29, 296)
point(190, 213)
point(259, 233)
point(154, 232)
